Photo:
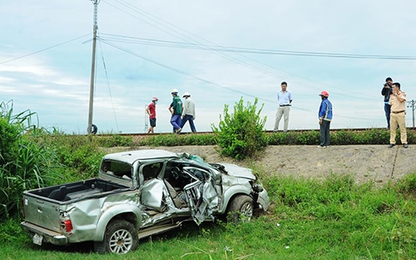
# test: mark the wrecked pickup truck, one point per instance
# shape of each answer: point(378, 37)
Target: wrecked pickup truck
point(138, 194)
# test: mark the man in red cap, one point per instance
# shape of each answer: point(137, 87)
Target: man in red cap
point(325, 117)
point(151, 111)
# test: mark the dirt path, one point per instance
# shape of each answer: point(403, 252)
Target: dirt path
point(366, 162)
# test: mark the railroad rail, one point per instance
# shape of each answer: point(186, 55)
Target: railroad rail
point(267, 131)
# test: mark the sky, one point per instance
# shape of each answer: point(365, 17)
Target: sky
point(218, 51)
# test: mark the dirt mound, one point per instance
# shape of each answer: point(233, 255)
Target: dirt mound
point(366, 162)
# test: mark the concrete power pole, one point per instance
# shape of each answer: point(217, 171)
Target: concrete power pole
point(94, 42)
point(412, 105)
point(146, 127)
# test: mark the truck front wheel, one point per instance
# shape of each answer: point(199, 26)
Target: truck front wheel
point(120, 237)
point(240, 209)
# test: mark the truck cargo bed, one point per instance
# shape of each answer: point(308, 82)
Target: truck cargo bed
point(75, 190)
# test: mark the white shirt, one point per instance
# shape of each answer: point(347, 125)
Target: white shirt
point(189, 107)
point(284, 98)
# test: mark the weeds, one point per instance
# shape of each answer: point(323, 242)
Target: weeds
point(24, 164)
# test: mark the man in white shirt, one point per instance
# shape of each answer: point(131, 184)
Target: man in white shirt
point(284, 98)
point(188, 113)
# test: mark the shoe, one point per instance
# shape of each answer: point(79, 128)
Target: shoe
point(321, 146)
point(179, 130)
point(391, 145)
point(405, 146)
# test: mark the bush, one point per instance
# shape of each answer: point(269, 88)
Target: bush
point(241, 134)
point(24, 164)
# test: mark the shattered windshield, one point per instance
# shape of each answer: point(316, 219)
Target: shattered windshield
point(197, 158)
point(117, 169)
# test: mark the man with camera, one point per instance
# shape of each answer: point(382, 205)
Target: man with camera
point(386, 92)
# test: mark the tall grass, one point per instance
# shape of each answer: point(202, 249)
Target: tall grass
point(24, 164)
point(309, 219)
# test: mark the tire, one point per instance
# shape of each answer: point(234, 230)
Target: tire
point(94, 129)
point(240, 209)
point(120, 237)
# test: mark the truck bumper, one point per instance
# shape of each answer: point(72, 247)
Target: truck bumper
point(264, 200)
point(49, 236)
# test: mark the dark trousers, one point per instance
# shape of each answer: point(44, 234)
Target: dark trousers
point(324, 133)
point(191, 122)
point(387, 112)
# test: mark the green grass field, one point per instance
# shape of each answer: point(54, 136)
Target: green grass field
point(309, 219)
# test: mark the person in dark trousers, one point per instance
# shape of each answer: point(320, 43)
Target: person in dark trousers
point(176, 108)
point(151, 111)
point(325, 117)
point(386, 92)
point(188, 113)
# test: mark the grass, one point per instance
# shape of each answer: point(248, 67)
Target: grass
point(309, 219)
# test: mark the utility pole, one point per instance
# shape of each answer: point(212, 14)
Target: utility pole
point(145, 120)
point(412, 105)
point(94, 42)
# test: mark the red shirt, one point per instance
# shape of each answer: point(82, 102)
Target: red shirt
point(152, 110)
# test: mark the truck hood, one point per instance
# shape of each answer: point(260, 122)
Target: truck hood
point(237, 171)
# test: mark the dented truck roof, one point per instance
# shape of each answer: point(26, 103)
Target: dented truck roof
point(137, 155)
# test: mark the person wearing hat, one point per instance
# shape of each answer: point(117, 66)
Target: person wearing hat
point(176, 108)
point(325, 117)
point(188, 113)
point(151, 111)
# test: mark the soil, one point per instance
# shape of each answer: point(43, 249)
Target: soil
point(376, 163)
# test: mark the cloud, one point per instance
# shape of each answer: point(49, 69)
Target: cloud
point(56, 82)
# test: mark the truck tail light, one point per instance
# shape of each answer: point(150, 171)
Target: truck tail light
point(68, 225)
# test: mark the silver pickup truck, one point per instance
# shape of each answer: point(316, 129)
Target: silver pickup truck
point(138, 194)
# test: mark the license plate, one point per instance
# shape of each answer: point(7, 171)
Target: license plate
point(37, 239)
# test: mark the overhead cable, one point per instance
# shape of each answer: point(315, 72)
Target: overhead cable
point(45, 49)
point(187, 45)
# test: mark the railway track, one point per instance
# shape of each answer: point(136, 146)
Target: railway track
point(267, 131)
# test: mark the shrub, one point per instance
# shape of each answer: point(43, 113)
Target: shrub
point(241, 134)
point(24, 164)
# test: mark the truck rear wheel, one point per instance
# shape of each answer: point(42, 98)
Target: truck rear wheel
point(240, 209)
point(120, 237)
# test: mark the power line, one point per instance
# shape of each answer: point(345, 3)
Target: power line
point(187, 45)
point(177, 32)
point(108, 85)
point(45, 49)
point(163, 43)
point(412, 105)
point(204, 80)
